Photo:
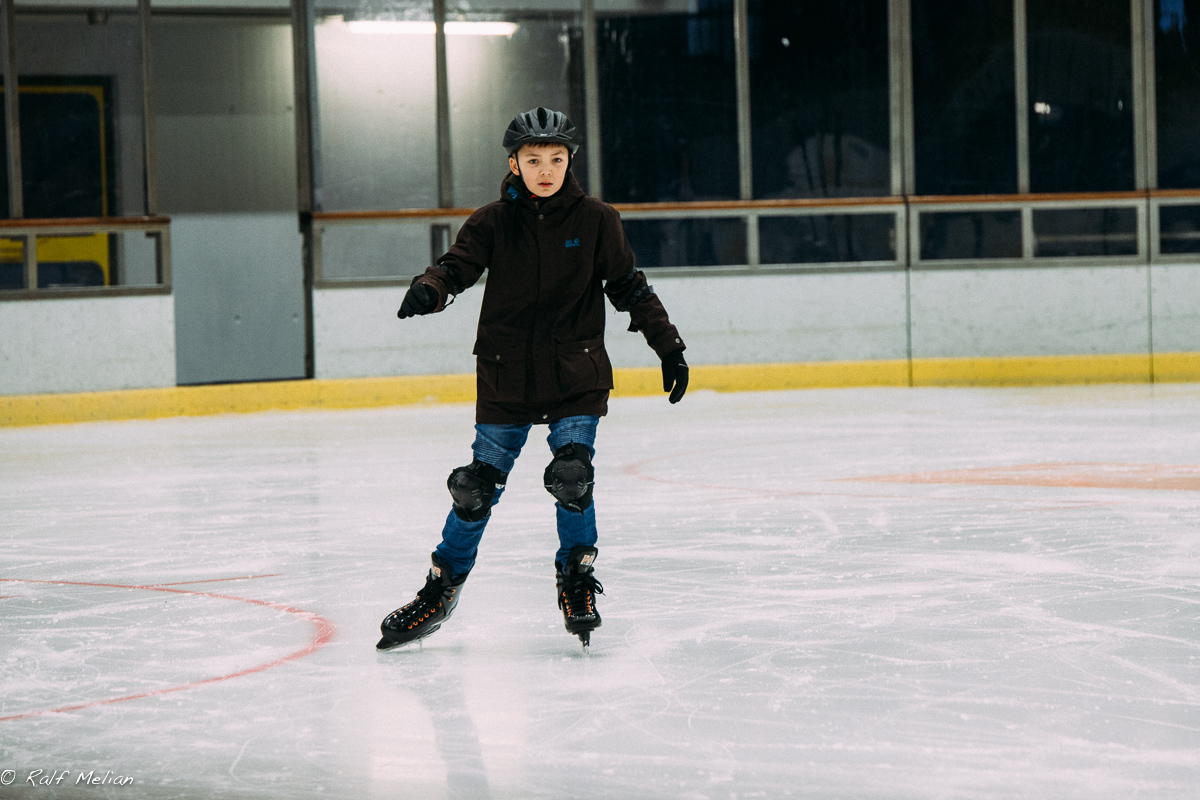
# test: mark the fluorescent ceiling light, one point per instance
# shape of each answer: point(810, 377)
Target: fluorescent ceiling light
point(453, 28)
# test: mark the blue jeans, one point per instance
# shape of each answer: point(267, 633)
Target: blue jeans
point(499, 445)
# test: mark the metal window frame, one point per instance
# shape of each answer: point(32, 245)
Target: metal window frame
point(1161, 199)
point(907, 207)
point(12, 115)
point(1026, 205)
point(27, 230)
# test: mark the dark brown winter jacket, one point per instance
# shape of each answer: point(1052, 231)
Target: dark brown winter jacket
point(540, 344)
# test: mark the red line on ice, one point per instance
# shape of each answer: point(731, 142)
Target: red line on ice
point(636, 470)
point(216, 580)
point(324, 634)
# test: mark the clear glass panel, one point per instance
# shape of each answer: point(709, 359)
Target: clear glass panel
point(137, 258)
point(819, 98)
point(964, 97)
point(827, 238)
point(1179, 229)
point(80, 79)
point(75, 260)
point(385, 250)
point(1080, 95)
point(668, 111)
point(970, 234)
point(224, 122)
point(535, 53)
point(1177, 64)
point(12, 263)
point(1085, 232)
point(687, 242)
point(377, 102)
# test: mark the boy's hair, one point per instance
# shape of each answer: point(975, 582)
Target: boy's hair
point(539, 146)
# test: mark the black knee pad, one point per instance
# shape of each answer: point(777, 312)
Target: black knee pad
point(473, 489)
point(570, 477)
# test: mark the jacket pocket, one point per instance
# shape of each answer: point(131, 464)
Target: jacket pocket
point(583, 367)
point(501, 368)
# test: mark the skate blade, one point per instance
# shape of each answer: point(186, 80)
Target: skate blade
point(387, 643)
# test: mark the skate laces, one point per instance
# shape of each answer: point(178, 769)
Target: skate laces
point(428, 598)
point(579, 590)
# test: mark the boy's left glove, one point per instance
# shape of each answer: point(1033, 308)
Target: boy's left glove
point(420, 299)
point(675, 375)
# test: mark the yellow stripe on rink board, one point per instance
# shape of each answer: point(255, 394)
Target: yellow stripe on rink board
point(1176, 367)
point(234, 398)
point(50, 409)
point(1031, 370)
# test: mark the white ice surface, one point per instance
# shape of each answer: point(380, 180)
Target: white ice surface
point(770, 629)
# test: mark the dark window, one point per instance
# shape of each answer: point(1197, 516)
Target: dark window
point(970, 234)
point(827, 238)
point(1177, 60)
point(1085, 232)
point(687, 242)
point(963, 97)
point(67, 148)
point(668, 114)
point(1179, 228)
point(1080, 96)
point(819, 98)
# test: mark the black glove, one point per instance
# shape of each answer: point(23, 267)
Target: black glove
point(675, 374)
point(420, 299)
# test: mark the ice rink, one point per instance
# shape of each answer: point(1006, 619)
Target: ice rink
point(866, 593)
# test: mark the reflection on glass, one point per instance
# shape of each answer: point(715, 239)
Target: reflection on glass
point(1080, 95)
point(138, 258)
point(970, 235)
point(389, 250)
point(1085, 232)
point(1179, 229)
point(1177, 64)
point(377, 103)
point(827, 238)
point(965, 122)
point(668, 114)
point(819, 98)
point(225, 127)
point(74, 260)
point(687, 242)
point(12, 263)
point(81, 115)
point(499, 67)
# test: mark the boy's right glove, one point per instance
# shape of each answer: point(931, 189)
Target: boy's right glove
point(420, 299)
point(675, 375)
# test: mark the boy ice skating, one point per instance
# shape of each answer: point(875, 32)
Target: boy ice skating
point(552, 253)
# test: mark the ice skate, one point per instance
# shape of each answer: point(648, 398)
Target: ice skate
point(433, 605)
point(577, 590)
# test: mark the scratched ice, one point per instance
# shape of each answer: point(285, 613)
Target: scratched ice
point(870, 593)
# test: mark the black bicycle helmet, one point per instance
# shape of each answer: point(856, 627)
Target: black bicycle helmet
point(540, 126)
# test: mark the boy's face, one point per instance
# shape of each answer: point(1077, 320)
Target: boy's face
point(542, 167)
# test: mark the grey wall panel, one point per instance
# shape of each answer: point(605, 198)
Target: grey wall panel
point(778, 318)
point(358, 335)
point(842, 317)
point(239, 297)
point(225, 124)
point(1176, 296)
point(1029, 312)
point(86, 344)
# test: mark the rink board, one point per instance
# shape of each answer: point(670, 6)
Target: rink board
point(190, 401)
